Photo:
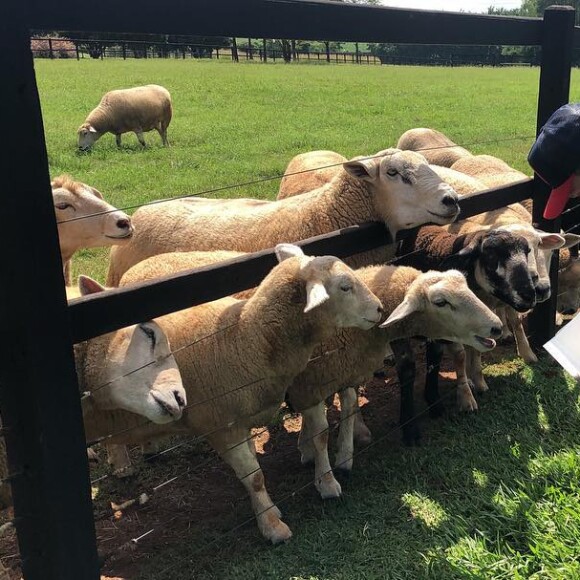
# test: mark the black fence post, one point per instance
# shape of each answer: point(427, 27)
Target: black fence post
point(250, 52)
point(327, 44)
point(264, 49)
point(235, 56)
point(357, 53)
point(554, 91)
point(39, 394)
point(124, 49)
point(50, 52)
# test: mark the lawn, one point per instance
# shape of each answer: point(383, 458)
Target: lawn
point(492, 495)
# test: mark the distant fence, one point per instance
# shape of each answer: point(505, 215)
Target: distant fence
point(54, 47)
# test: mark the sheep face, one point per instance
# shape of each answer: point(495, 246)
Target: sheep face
point(406, 191)
point(133, 369)
point(335, 288)
point(446, 308)
point(542, 245)
point(502, 269)
point(87, 136)
point(155, 390)
point(73, 201)
point(569, 288)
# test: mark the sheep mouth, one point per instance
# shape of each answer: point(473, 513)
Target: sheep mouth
point(488, 343)
point(172, 412)
point(445, 216)
point(121, 236)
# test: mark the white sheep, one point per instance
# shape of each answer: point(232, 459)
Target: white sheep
point(312, 170)
point(489, 170)
point(399, 189)
point(237, 358)
point(138, 110)
point(433, 304)
point(85, 220)
point(436, 147)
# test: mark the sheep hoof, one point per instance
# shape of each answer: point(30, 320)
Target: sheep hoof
point(92, 456)
point(530, 357)
point(467, 405)
point(328, 487)
point(343, 466)
point(276, 531)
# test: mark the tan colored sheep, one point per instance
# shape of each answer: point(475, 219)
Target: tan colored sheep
point(436, 147)
point(243, 354)
point(399, 189)
point(85, 220)
point(312, 170)
point(463, 184)
point(490, 170)
point(138, 110)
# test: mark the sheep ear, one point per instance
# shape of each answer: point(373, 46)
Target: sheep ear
point(399, 313)
point(316, 294)
point(91, 129)
point(570, 240)
point(365, 169)
point(96, 192)
point(463, 259)
point(89, 286)
point(550, 241)
point(285, 251)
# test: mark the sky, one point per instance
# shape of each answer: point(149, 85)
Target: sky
point(453, 5)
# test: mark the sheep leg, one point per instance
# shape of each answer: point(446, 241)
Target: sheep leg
point(348, 412)
point(465, 399)
point(506, 332)
point(324, 480)
point(140, 137)
point(474, 371)
point(522, 345)
point(118, 459)
point(305, 444)
point(406, 371)
point(434, 354)
point(163, 134)
point(361, 433)
point(243, 461)
point(118, 139)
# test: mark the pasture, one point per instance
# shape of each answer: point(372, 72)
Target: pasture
point(492, 495)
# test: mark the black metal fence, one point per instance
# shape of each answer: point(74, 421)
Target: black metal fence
point(47, 457)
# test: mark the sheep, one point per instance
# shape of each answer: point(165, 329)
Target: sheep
point(85, 220)
point(435, 304)
point(312, 170)
point(139, 109)
point(490, 170)
point(568, 284)
point(398, 189)
point(463, 184)
point(244, 353)
point(496, 266)
point(360, 353)
point(436, 147)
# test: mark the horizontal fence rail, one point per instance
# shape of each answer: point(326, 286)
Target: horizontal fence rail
point(96, 314)
point(296, 19)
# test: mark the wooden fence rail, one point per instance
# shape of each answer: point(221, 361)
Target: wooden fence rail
point(39, 398)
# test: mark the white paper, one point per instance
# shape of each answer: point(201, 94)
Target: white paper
point(565, 347)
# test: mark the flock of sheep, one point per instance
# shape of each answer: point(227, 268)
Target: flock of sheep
point(315, 325)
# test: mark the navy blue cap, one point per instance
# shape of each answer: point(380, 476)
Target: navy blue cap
point(555, 155)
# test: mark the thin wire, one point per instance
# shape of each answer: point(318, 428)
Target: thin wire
point(274, 177)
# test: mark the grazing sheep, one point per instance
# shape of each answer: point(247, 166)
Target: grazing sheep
point(85, 220)
point(399, 189)
point(312, 170)
point(139, 109)
point(237, 358)
point(433, 304)
point(436, 147)
point(490, 170)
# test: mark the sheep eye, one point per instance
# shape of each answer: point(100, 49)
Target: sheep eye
point(346, 288)
point(440, 302)
point(63, 205)
point(392, 172)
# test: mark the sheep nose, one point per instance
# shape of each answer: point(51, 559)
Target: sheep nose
point(380, 309)
point(569, 311)
point(449, 200)
point(123, 223)
point(496, 331)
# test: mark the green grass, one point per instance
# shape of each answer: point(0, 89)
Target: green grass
point(494, 495)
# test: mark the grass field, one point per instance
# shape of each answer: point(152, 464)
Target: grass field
point(494, 495)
